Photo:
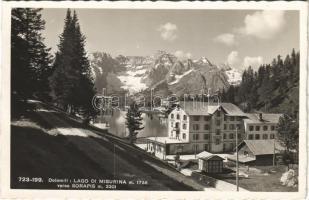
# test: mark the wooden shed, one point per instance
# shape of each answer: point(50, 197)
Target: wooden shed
point(257, 152)
point(209, 162)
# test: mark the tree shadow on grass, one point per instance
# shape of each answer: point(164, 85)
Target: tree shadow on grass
point(35, 153)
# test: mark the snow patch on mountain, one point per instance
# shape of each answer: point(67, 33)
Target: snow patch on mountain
point(234, 76)
point(178, 77)
point(137, 72)
point(205, 61)
point(132, 80)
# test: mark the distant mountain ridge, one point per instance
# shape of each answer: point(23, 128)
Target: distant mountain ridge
point(163, 72)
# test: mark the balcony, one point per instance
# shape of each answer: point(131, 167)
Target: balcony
point(176, 129)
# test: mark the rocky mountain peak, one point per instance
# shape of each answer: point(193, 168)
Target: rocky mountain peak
point(204, 61)
point(137, 73)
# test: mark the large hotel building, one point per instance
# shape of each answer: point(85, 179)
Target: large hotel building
point(194, 127)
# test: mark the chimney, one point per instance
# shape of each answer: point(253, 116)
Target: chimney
point(261, 116)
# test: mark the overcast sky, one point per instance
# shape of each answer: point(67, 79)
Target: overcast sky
point(239, 38)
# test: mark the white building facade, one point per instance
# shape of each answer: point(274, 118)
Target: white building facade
point(194, 127)
point(262, 126)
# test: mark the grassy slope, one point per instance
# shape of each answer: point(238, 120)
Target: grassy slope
point(35, 153)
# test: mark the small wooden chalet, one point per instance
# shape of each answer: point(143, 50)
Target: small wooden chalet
point(209, 162)
point(257, 152)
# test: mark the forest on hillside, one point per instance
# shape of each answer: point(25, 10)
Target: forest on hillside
point(272, 88)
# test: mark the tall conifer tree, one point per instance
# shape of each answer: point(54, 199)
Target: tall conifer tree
point(134, 121)
point(71, 81)
point(30, 58)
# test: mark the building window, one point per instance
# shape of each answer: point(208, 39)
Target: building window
point(232, 127)
point(195, 148)
point(184, 136)
point(172, 116)
point(206, 118)
point(177, 125)
point(265, 136)
point(172, 124)
point(218, 122)
point(224, 136)
point(218, 131)
point(206, 147)
point(177, 134)
point(238, 118)
point(195, 136)
point(217, 141)
point(225, 117)
point(238, 126)
point(185, 117)
point(238, 135)
point(250, 137)
point(225, 126)
point(257, 136)
point(196, 118)
point(184, 126)
point(178, 116)
point(231, 136)
point(257, 128)
point(206, 136)
point(250, 128)
point(196, 127)
point(206, 127)
point(232, 118)
point(272, 136)
point(272, 128)
point(218, 114)
point(265, 128)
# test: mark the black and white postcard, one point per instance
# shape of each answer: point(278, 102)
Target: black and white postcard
point(152, 100)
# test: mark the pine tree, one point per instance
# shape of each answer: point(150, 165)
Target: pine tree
point(273, 88)
point(61, 80)
point(71, 81)
point(288, 132)
point(30, 58)
point(134, 121)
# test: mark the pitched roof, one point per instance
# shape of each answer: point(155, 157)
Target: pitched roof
point(166, 140)
point(266, 118)
point(241, 158)
point(206, 156)
point(203, 108)
point(261, 147)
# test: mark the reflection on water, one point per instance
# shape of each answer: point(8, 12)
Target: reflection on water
point(153, 126)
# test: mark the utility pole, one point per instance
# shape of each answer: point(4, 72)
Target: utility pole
point(274, 155)
point(101, 110)
point(237, 168)
point(114, 161)
point(194, 149)
point(164, 152)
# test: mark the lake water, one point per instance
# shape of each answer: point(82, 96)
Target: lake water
point(153, 126)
